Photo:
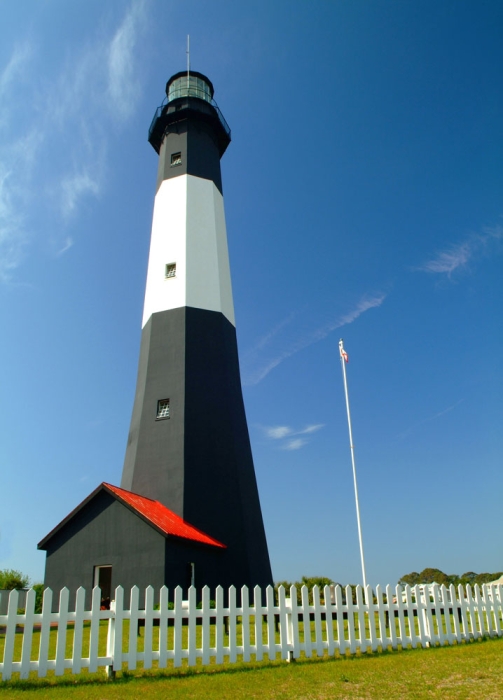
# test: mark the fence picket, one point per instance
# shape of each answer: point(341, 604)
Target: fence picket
point(464, 612)
point(498, 596)
point(231, 624)
point(351, 620)
point(403, 639)
point(219, 625)
point(412, 637)
point(94, 632)
point(470, 609)
point(339, 611)
point(10, 635)
point(191, 624)
point(148, 629)
point(177, 632)
point(45, 631)
point(371, 618)
point(62, 630)
point(163, 627)
point(456, 614)
point(362, 636)
point(392, 613)
point(205, 625)
point(293, 624)
point(437, 605)
point(495, 595)
point(117, 628)
point(306, 621)
point(427, 635)
point(132, 653)
point(318, 637)
point(329, 624)
point(284, 636)
point(245, 622)
point(78, 628)
point(381, 609)
point(270, 623)
point(427, 629)
point(480, 610)
point(487, 608)
point(27, 619)
point(448, 607)
point(259, 644)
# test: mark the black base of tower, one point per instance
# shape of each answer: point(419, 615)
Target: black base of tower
point(198, 462)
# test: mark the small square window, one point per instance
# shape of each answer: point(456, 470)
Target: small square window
point(170, 270)
point(163, 409)
point(176, 159)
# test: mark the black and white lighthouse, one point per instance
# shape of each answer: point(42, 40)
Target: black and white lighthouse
point(188, 445)
point(188, 471)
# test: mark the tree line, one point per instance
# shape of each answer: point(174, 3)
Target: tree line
point(428, 575)
point(436, 576)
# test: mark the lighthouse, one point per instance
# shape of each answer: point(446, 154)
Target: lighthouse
point(188, 444)
point(188, 470)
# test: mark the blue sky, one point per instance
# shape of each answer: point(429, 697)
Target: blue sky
point(364, 199)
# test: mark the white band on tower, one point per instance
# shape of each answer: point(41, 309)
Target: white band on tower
point(188, 261)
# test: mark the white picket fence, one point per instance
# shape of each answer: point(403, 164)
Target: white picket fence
point(330, 623)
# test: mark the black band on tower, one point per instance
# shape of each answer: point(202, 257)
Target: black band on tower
point(189, 148)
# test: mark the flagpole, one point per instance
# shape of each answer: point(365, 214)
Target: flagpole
point(344, 359)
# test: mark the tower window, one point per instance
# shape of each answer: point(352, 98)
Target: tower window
point(170, 270)
point(176, 159)
point(162, 409)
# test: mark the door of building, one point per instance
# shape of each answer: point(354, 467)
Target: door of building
point(103, 579)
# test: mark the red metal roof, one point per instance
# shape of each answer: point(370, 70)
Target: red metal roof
point(160, 516)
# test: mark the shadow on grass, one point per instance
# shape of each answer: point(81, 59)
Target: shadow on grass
point(153, 675)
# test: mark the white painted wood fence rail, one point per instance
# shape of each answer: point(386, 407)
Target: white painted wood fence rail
point(244, 630)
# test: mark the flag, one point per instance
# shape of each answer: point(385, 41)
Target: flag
point(344, 354)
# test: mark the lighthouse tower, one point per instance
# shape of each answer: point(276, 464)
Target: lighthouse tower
point(188, 444)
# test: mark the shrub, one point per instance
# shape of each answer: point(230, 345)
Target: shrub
point(39, 594)
point(11, 579)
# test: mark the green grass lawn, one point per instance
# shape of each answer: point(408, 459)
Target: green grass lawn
point(465, 671)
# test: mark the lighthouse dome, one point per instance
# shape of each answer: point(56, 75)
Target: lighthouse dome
point(189, 85)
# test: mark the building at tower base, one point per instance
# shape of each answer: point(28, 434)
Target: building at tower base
point(115, 537)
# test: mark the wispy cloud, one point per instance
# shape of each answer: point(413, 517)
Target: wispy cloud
point(74, 187)
point(12, 235)
point(409, 430)
point(278, 432)
point(294, 442)
point(66, 246)
point(61, 141)
point(447, 261)
point(13, 164)
point(311, 429)
point(8, 74)
point(123, 82)
point(255, 374)
point(14, 69)
point(270, 335)
point(457, 257)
